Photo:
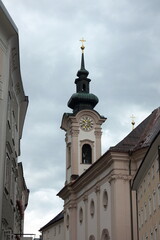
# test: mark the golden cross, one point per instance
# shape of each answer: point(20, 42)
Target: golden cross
point(82, 41)
point(133, 122)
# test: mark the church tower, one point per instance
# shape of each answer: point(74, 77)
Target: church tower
point(82, 127)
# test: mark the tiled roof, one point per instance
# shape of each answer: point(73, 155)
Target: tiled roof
point(54, 220)
point(142, 136)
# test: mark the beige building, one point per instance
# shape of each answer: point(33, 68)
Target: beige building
point(99, 202)
point(13, 106)
point(54, 229)
point(147, 185)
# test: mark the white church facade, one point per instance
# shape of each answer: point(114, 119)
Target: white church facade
point(99, 202)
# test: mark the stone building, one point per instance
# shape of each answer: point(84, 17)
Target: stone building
point(99, 202)
point(13, 107)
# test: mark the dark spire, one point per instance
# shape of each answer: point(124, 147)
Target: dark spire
point(82, 99)
point(82, 71)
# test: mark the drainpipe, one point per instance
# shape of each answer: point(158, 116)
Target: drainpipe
point(130, 184)
point(137, 216)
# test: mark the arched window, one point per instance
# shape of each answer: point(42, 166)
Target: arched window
point(105, 235)
point(84, 87)
point(86, 154)
point(91, 237)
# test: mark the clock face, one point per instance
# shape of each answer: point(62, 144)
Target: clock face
point(86, 123)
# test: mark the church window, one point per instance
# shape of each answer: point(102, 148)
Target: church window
point(67, 221)
point(81, 215)
point(105, 235)
point(68, 155)
point(92, 208)
point(83, 88)
point(86, 154)
point(105, 199)
point(91, 237)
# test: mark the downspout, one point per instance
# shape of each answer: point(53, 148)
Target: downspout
point(130, 185)
point(137, 216)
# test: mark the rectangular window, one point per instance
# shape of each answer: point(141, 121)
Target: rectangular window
point(59, 228)
point(158, 195)
point(150, 206)
point(9, 110)
point(139, 220)
point(145, 212)
point(144, 184)
point(7, 173)
point(12, 186)
point(149, 178)
point(141, 190)
point(152, 171)
point(142, 217)
point(154, 201)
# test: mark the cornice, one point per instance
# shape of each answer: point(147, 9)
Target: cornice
point(119, 156)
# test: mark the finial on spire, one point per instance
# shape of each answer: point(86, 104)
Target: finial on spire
point(82, 47)
point(133, 122)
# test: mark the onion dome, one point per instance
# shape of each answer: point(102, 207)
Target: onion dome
point(82, 99)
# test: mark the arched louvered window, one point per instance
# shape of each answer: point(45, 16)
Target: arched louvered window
point(84, 87)
point(86, 154)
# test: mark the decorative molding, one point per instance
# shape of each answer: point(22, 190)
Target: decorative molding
point(85, 198)
point(3, 46)
point(72, 205)
point(97, 189)
point(66, 138)
point(13, 59)
point(97, 133)
point(74, 133)
point(119, 177)
point(9, 148)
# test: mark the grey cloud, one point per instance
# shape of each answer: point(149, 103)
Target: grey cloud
point(122, 56)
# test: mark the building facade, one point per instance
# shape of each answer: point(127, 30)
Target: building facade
point(54, 229)
point(147, 185)
point(99, 201)
point(13, 106)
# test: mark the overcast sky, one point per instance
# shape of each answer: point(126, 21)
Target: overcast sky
point(122, 56)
